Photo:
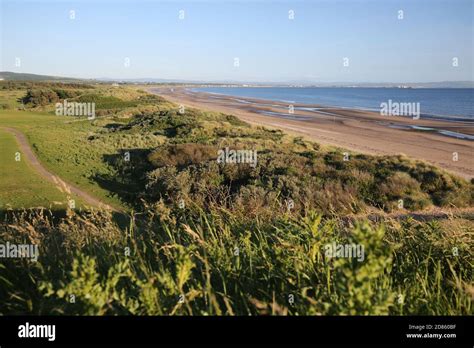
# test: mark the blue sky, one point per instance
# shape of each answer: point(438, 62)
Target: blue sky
point(270, 47)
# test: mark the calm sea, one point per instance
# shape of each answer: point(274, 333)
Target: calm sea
point(448, 103)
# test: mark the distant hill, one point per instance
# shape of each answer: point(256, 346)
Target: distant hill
point(12, 76)
point(441, 84)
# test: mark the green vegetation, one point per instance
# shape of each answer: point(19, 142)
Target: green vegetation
point(40, 97)
point(223, 265)
point(62, 147)
point(207, 238)
point(21, 186)
point(184, 167)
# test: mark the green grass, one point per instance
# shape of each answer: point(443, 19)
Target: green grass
point(64, 146)
point(61, 145)
point(234, 248)
point(202, 264)
point(21, 187)
point(9, 99)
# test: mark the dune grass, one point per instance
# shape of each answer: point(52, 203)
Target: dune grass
point(202, 238)
point(204, 264)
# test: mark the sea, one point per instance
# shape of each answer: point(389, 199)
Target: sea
point(454, 104)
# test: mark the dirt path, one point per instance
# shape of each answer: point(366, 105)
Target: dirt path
point(41, 170)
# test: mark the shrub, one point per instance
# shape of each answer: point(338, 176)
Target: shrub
point(401, 186)
point(182, 155)
point(364, 287)
point(40, 97)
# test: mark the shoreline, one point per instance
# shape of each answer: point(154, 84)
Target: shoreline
point(353, 129)
point(438, 117)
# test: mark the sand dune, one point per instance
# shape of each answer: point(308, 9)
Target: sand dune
point(357, 130)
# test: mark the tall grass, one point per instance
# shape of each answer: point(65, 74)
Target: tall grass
point(206, 239)
point(200, 263)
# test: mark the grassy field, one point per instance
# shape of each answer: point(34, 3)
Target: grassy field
point(64, 146)
point(9, 100)
point(61, 146)
point(211, 239)
point(21, 186)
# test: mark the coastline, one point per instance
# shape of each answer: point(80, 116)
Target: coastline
point(364, 131)
point(458, 117)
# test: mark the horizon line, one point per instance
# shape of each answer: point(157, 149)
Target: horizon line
point(229, 81)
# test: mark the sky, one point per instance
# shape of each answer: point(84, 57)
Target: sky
point(247, 40)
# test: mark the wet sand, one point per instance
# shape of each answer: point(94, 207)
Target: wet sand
point(356, 130)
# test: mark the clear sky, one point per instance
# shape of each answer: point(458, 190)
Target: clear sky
point(105, 35)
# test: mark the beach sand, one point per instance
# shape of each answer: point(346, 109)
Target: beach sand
point(355, 130)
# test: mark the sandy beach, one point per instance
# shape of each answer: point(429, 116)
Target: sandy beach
point(355, 130)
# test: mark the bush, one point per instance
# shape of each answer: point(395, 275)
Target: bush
point(40, 97)
point(401, 187)
point(182, 155)
point(67, 93)
point(103, 102)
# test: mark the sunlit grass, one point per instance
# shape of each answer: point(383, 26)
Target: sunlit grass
point(206, 265)
point(22, 187)
point(233, 247)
